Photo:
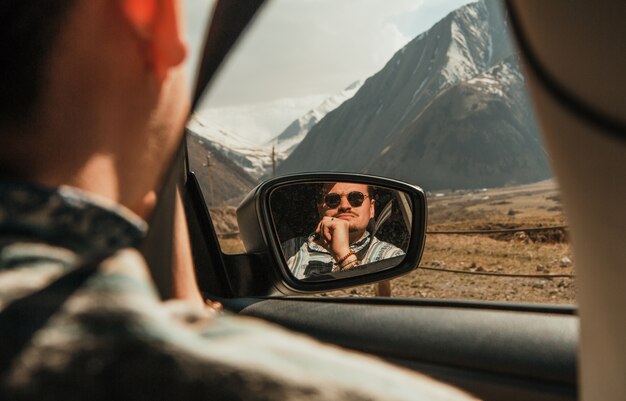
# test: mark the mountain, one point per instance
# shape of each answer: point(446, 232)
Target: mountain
point(449, 110)
point(474, 134)
point(222, 181)
point(252, 158)
point(291, 137)
point(257, 160)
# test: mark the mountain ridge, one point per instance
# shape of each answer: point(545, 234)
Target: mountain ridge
point(383, 115)
point(256, 159)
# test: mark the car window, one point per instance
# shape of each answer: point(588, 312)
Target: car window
point(431, 93)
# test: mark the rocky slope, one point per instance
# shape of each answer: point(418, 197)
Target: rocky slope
point(222, 181)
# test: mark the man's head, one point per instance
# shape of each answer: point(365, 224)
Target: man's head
point(27, 31)
point(348, 201)
point(95, 93)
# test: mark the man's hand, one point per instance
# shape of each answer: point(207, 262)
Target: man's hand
point(333, 234)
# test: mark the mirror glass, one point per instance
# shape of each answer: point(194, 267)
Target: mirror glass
point(330, 230)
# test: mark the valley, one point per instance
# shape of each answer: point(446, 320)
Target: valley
point(543, 255)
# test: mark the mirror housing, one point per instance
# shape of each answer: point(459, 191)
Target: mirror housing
point(260, 234)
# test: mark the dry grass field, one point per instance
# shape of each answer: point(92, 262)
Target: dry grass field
point(544, 255)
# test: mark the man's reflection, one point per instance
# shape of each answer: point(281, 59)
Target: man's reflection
point(341, 239)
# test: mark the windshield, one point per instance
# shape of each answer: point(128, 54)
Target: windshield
point(431, 93)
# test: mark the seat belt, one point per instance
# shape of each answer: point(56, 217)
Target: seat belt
point(382, 218)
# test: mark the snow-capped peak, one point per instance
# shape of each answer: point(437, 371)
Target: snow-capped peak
point(256, 159)
point(297, 130)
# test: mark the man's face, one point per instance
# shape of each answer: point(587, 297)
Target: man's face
point(357, 215)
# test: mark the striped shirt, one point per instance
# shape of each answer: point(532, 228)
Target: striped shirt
point(101, 332)
point(307, 258)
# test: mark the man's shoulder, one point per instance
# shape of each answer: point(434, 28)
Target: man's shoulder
point(295, 242)
point(294, 245)
point(64, 218)
point(113, 336)
point(383, 250)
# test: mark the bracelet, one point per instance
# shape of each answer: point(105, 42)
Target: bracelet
point(346, 256)
point(355, 262)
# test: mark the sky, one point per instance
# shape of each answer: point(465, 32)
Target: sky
point(197, 13)
point(300, 51)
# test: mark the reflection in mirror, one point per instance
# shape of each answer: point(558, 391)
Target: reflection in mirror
point(330, 230)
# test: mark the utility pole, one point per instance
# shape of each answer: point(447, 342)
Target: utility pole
point(273, 162)
point(209, 179)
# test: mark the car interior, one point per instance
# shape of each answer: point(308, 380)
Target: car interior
point(574, 58)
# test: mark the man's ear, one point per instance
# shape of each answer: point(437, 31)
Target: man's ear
point(372, 209)
point(157, 24)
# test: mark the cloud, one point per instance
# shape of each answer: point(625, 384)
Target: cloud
point(299, 48)
point(197, 13)
point(427, 14)
point(303, 49)
point(261, 122)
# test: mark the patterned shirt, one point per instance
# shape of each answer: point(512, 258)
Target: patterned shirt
point(307, 258)
point(100, 332)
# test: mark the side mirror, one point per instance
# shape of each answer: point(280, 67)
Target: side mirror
point(332, 230)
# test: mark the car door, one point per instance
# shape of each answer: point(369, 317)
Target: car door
point(495, 350)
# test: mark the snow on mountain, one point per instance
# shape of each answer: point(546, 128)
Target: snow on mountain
point(287, 140)
point(498, 79)
point(255, 158)
point(259, 122)
point(460, 63)
point(216, 133)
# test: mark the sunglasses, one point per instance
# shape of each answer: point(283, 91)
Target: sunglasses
point(355, 198)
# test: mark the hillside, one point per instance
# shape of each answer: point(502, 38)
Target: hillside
point(473, 135)
point(222, 181)
point(253, 159)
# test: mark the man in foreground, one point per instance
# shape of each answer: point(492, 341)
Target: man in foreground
point(93, 104)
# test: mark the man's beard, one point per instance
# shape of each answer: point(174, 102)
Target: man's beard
point(353, 229)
